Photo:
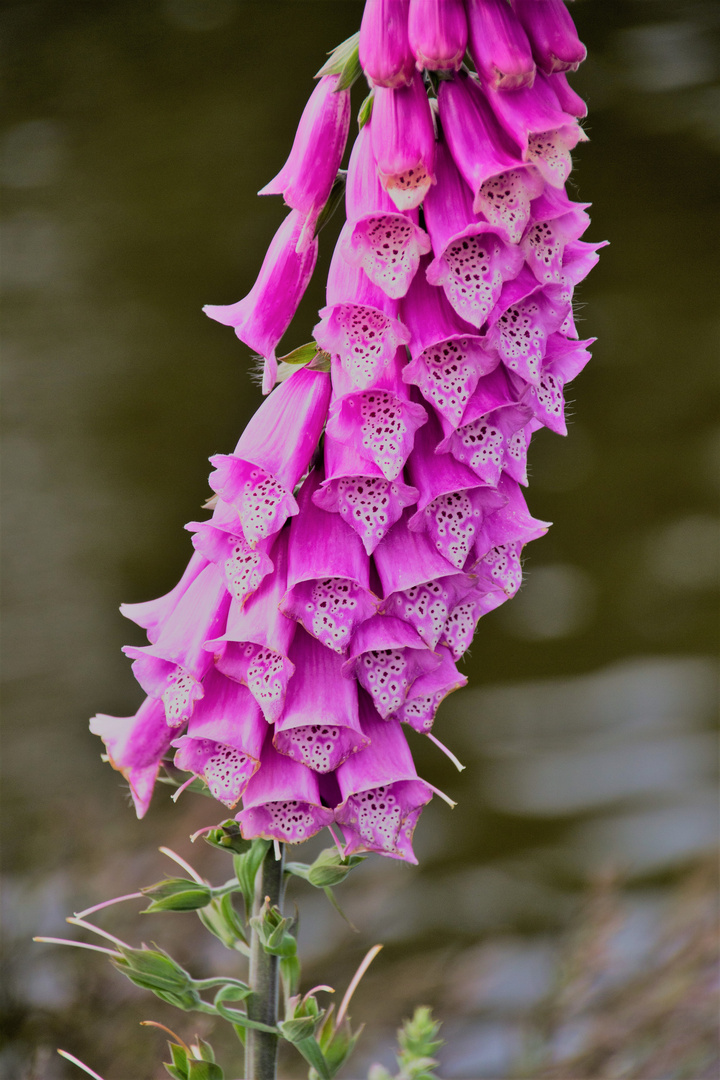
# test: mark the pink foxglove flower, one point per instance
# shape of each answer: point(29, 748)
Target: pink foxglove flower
point(438, 33)
point(135, 747)
point(403, 141)
point(273, 453)
point(385, 54)
point(522, 321)
point(422, 703)
point(255, 648)
point(386, 656)
point(552, 34)
point(328, 586)
point(224, 738)
point(282, 800)
point(307, 176)
point(386, 243)
point(499, 45)
point(319, 725)
point(356, 488)
point(220, 540)
point(150, 614)
point(563, 361)
point(382, 796)
point(261, 318)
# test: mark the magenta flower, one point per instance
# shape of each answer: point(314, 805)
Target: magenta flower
point(135, 747)
point(308, 174)
point(522, 321)
point(387, 244)
point(261, 318)
point(255, 647)
point(385, 53)
point(274, 451)
point(386, 656)
point(242, 566)
point(382, 796)
point(224, 738)
point(328, 586)
point(552, 34)
point(403, 141)
point(438, 33)
point(282, 800)
point(499, 45)
point(563, 361)
point(428, 691)
point(356, 488)
point(150, 614)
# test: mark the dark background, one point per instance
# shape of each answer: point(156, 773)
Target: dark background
point(136, 136)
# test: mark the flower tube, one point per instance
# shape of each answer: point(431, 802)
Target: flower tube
point(319, 725)
point(151, 614)
point(382, 795)
point(282, 801)
point(274, 451)
point(512, 523)
point(563, 361)
point(224, 738)
point(135, 746)
point(386, 656)
point(385, 54)
point(556, 223)
point(328, 584)
point(174, 667)
point(261, 318)
point(486, 595)
point(356, 489)
point(438, 34)
point(499, 45)
point(255, 647)
point(308, 174)
point(420, 706)
point(242, 566)
point(387, 244)
point(552, 33)
point(403, 140)
point(380, 422)
point(522, 321)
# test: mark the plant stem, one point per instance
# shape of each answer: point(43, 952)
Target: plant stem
point(261, 1047)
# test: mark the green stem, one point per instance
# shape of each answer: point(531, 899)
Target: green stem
point(262, 1047)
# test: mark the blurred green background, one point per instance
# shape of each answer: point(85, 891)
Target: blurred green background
point(136, 136)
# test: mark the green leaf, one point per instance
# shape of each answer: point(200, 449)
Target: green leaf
point(330, 868)
point(365, 111)
point(175, 1073)
point(222, 920)
point(180, 1058)
point(290, 974)
point(246, 868)
point(345, 62)
point(302, 1027)
point(302, 355)
point(204, 1070)
point(315, 1057)
point(204, 1049)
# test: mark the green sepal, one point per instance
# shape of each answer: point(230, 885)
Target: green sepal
point(344, 61)
point(330, 868)
point(222, 920)
point(176, 894)
point(152, 968)
point(336, 196)
point(290, 974)
point(246, 867)
point(175, 1073)
point(227, 837)
point(302, 355)
point(179, 1058)
point(337, 1043)
point(301, 1027)
point(365, 111)
point(204, 1070)
point(314, 1057)
point(204, 1049)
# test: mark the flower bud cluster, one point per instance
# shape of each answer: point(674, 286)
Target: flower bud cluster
point(373, 509)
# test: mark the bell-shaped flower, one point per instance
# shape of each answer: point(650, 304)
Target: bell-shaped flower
point(356, 489)
point(328, 586)
point(563, 361)
point(382, 795)
point(472, 259)
point(151, 614)
point(448, 357)
point(384, 49)
point(522, 321)
point(486, 440)
point(556, 221)
point(386, 656)
point(539, 128)
point(220, 541)
point(552, 34)
point(261, 318)
point(135, 747)
point(569, 101)
point(174, 667)
point(501, 570)
point(419, 585)
point(438, 33)
point(224, 738)
point(319, 725)
point(274, 451)
point(512, 523)
point(453, 504)
point(501, 185)
point(255, 647)
point(359, 324)
point(379, 423)
point(486, 595)
point(403, 140)
point(386, 243)
point(307, 176)
point(499, 45)
point(282, 801)
point(420, 706)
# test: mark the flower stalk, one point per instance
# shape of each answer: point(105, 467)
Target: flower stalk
point(261, 1049)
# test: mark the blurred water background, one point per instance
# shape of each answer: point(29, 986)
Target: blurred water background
point(135, 138)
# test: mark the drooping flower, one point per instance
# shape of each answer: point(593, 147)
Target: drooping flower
point(135, 747)
point(384, 48)
point(150, 614)
point(499, 45)
point(307, 176)
point(386, 656)
point(282, 800)
point(403, 141)
point(552, 34)
point(438, 33)
point(261, 318)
